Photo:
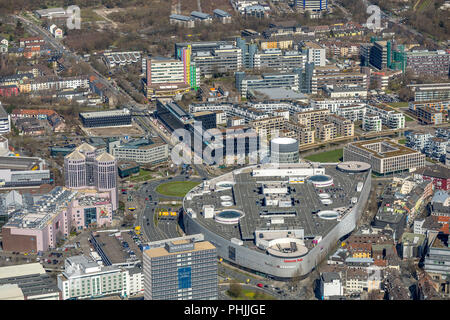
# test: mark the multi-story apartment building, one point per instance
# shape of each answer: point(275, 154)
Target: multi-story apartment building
point(429, 116)
point(435, 105)
point(83, 278)
point(432, 146)
point(424, 62)
point(279, 60)
point(304, 135)
point(344, 127)
point(384, 155)
point(354, 112)
point(372, 122)
point(268, 80)
point(271, 125)
point(319, 80)
point(52, 83)
point(334, 104)
point(435, 148)
point(344, 91)
point(326, 131)
point(380, 80)
point(315, 53)
point(313, 117)
point(437, 259)
point(389, 117)
point(417, 140)
point(430, 91)
point(140, 150)
point(181, 269)
point(221, 117)
point(225, 58)
point(275, 41)
point(235, 121)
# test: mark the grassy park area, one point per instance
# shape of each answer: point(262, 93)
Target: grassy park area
point(144, 175)
point(327, 156)
point(408, 118)
point(399, 104)
point(176, 188)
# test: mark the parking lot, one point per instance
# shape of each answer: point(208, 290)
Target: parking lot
point(53, 259)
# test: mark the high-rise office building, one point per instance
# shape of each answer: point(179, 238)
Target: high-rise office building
point(181, 269)
point(84, 169)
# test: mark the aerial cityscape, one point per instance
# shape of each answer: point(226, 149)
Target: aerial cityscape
point(232, 150)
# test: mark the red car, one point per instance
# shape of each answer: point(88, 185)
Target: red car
point(146, 199)
point(259, 285)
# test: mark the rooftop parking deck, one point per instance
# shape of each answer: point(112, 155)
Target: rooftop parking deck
point(248, 197)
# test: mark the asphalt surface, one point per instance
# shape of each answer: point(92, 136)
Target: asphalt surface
point(165, 229)
point(58, 46)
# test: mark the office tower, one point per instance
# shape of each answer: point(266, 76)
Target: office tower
point(75, 170)
point(83, 169)
point(181, 269)
point(89, 152)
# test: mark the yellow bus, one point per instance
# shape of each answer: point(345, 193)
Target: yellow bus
point(131, 208)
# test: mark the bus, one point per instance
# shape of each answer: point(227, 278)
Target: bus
point(131, 208)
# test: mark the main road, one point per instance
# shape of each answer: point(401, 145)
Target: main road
point(60, 48)
point(165, 228)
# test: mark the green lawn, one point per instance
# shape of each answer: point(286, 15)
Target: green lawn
point(408, 118)
point(399, 104)
point(402, 141)
point(176, 188)
point(253, 295)
point(144, 175)
point(327, 156)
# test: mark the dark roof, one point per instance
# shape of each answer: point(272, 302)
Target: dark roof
point(435, 171)
point(35, 284)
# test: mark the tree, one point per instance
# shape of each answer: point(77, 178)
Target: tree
point(295, 280)
point(235, 289)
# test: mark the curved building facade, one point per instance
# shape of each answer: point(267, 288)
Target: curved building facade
point(280, 242)
point(5, 121)
point(284, 150)
point(83, 169)
point(75, 170)
point(105, 172)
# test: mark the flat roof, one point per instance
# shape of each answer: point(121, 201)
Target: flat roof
point(396, 149)
point(109, 113)
point(162, 251)
point(21, 270)
point(19, 163)
point(248, 198)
